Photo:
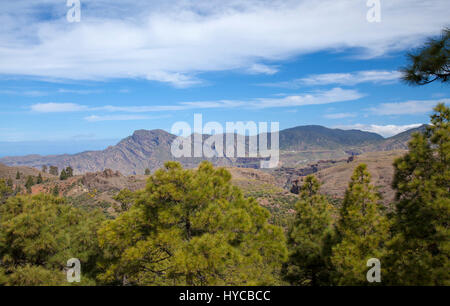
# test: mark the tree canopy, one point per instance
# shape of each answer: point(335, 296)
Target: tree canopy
point(431, 63)
point(192, 227)
point(361, 230)
point(39, 234)
point(309, 238)
point(420, 249)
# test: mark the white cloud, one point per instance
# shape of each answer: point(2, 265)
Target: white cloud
point(372, 76)
point(79, 91)
point(319, 97)
point(175, 41)
point(383, 130)
point(30, 93)
point(407, 108)
point(344, 79)
point(262, 69)
point(95, 118)
point(57, 107)
point(340, 116)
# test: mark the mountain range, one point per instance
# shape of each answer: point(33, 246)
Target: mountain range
point(151, 148)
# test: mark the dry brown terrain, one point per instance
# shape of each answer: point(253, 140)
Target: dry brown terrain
point(270, 188)
point(335, 179)
point(10, 172)
point(151, 149)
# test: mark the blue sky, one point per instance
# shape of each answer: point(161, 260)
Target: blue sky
point(128, 65)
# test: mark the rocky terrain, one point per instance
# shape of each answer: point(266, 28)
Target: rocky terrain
point(276, 189)
point(331, 155)
point(299, 147)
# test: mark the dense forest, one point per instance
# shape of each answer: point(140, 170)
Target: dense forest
point(193, 227)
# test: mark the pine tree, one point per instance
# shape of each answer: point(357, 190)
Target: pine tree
point(5, 191)
point(54, 170)
point(420, 250)
point(63, 176)
point(361, 230)
point(309, 238)
point(17, 190)
point(10, 183)
point(39, 179)
point(55, 191)
point(29, 183)
point(44, 168)
point(39, 234)
point(69, 172)
point(147, 171)
point(18, 175)
point(126, 198)
point(192, 227)
point(431, 63)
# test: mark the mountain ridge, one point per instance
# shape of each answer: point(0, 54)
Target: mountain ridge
point(151, 148)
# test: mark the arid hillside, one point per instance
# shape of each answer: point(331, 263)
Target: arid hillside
point(335, 179)
point(11, 172)
point(151, 149)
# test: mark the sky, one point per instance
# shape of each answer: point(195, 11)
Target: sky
point(67, 87)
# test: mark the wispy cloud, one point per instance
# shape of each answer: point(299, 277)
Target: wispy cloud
point(319, 97)
point(58, 107)
point(340, 116)
point(95, 118)
point(316, 98)
point(175, 41)
point(79, 91)
point(29, 93)
point(384, 130)
point(262, 69)
point(342, 79)
point(407, 108)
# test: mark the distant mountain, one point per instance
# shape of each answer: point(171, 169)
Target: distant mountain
point(144, 149)
point(397, 142)
point(150, 149)
point(314, 137)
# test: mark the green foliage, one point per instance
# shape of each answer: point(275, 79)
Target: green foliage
point(69, 172)
point(10, 183)
point(18, 175)
point(39, 234)
point(17, 190)
point(431, 63)
point(66, 173)
point(361, 230)
point(5, 191)
point(192, 227)
point(147, 171)
point(29, 275)
point(420, 250)
point(309, 238)
point(44, 168)
point(54, 170)
point(39, 179)
point(126, 198)
point(29, 183)
point(55, 191)
point(63, 176)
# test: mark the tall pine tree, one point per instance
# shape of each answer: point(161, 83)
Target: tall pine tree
point(309, 238)
point(29, 183)
point(192, 227)
point(420, 250)
point(39, 179)
point(361, 230)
